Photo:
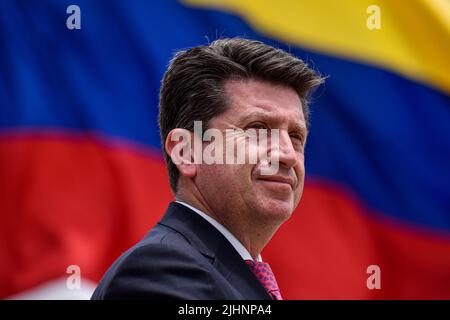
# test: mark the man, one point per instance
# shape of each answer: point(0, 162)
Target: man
point(208, 244)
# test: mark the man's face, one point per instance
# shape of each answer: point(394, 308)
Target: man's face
point(241, 189)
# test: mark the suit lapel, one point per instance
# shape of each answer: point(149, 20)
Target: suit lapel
point(211, 243)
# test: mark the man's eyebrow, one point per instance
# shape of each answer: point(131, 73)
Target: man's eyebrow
point(301, 128)
point(255, 114)
point(268, 117)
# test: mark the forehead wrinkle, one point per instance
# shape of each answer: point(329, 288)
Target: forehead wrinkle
point(242, 94)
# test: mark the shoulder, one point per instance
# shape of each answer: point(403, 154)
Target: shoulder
point(163, 265)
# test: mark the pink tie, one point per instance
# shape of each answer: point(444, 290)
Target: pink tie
point(265, 275)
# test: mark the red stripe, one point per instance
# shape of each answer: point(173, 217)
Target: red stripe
point(75, 201)
point(324, 250)
point(78, 201)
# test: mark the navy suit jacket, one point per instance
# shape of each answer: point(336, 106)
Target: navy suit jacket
point(182, 257)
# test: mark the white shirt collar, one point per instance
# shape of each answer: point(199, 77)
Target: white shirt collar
point(227, 234)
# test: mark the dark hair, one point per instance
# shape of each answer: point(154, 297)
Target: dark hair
point(193, 86)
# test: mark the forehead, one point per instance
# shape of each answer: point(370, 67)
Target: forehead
point(247, 97)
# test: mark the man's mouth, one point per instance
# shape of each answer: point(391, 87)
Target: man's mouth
point(280, 180)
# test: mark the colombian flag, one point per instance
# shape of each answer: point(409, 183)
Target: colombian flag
point(82, 176)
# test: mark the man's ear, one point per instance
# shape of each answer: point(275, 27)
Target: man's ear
point(179, 147)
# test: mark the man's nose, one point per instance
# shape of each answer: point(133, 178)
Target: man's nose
point(288, 157)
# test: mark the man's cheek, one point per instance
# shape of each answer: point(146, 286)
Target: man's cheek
point(300, 169)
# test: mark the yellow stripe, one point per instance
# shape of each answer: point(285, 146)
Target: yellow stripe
point(414, 39)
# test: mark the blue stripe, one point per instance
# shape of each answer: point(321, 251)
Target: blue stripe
point(385, 137)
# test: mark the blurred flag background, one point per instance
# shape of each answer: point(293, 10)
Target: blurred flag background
point(82, 176)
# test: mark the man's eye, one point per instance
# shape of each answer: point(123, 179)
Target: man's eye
point(296, 136)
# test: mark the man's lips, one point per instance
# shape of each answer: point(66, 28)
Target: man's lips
point(280, 179)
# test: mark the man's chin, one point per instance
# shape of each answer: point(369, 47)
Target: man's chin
point(278, 210)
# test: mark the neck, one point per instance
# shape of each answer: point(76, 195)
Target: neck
point(253, 235)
